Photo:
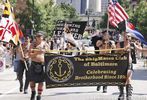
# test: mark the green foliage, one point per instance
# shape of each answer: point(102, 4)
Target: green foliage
point(137, 15)
point(45, 15)
point(140, 16)
point(13, 1)
point(103, 24)
point(69, 11)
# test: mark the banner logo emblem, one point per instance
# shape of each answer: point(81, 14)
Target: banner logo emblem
point(60, 69)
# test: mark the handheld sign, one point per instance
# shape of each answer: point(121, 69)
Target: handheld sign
point(76, 27)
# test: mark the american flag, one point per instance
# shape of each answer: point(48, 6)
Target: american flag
point(116, 13)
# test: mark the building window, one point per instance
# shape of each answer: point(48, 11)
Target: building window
point(71, 1)
point(83, 6)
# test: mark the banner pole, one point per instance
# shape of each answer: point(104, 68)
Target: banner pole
point(23, 56)
point(125, 36)
point(108, 24)
point(117, 49)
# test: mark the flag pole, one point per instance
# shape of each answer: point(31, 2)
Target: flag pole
point(108, 23)
point(108, 18)
point(23, 56)
point(125, 35)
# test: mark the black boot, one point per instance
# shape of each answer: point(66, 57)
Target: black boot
point(21, 87)
point(98, 88)
point(33, 95)
point(38, 97)
point(129, 90)
point(121, 95)
point(104, 89)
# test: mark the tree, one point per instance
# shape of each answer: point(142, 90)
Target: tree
point(45, 15)
point(69, 11)
point(140, 17)
point(103, 23)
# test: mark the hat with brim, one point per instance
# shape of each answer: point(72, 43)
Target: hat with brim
point(39, 33)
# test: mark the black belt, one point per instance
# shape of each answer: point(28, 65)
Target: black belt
point(40, 63)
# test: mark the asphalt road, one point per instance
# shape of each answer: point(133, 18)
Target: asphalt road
point(9, 88)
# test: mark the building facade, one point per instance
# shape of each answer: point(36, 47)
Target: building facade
point(88, 10)
point(96, 7)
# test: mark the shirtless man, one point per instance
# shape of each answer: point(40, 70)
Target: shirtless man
point(105, 43)
point(36, 53)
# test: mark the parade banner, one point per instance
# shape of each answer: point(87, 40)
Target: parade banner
point(85, 70)
point(76, 27)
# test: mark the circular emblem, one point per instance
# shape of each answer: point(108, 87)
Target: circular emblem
point(60, 69)
point(1, 63)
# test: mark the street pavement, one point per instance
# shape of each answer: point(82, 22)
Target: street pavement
point(9, 88)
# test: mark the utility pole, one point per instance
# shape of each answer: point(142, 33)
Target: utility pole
point(87, 11)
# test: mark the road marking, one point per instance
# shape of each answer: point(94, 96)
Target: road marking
point(10, 91)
